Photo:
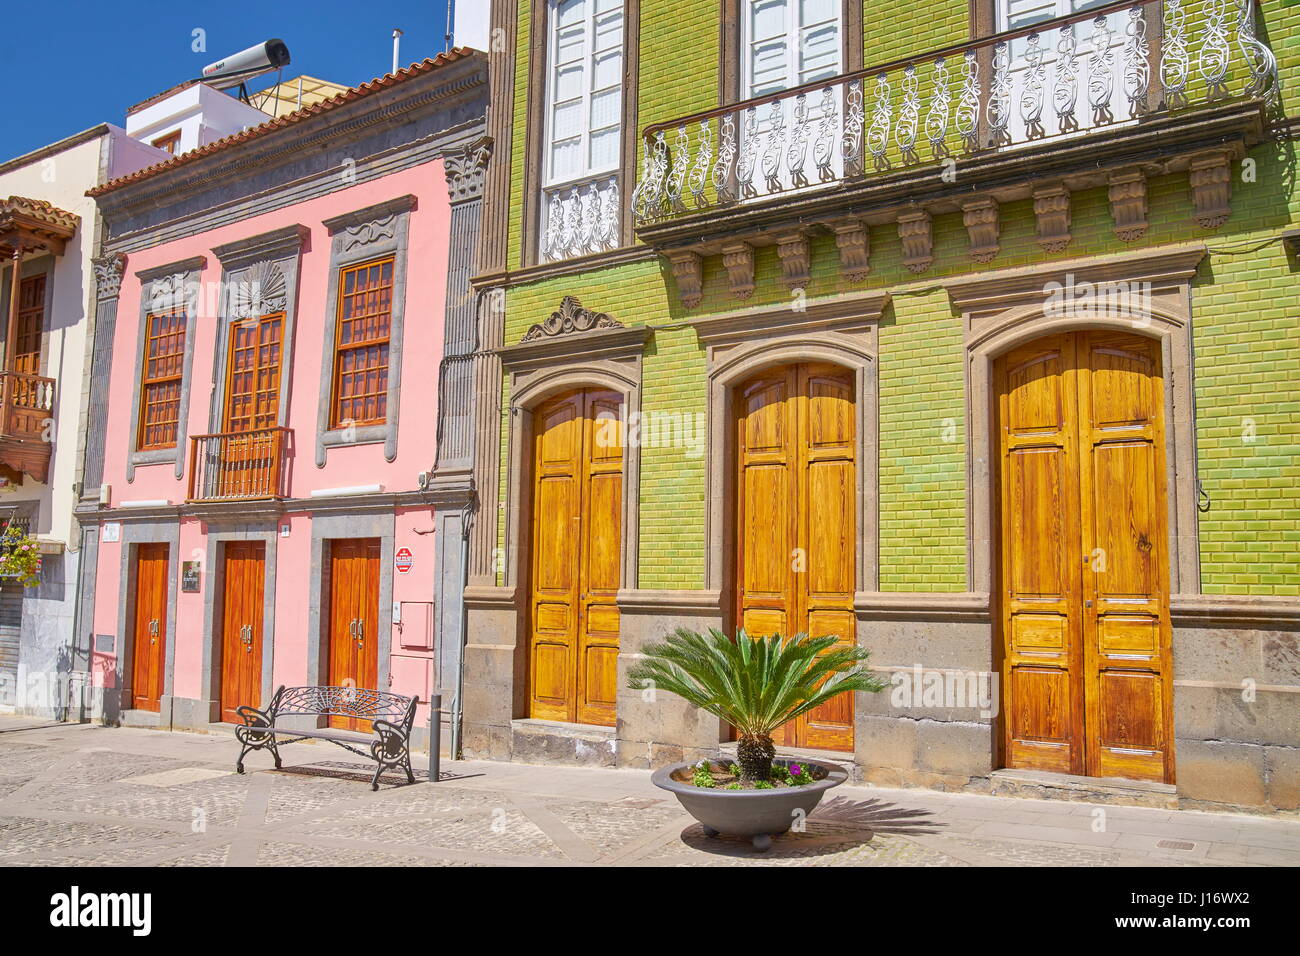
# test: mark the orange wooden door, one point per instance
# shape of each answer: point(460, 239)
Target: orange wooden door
point(150, 632)
point(576, 539)
point(354, 620)
point(796, 450)
point(252, 406)
point(242, 612)
point(1083, 570)
point(1127, 635)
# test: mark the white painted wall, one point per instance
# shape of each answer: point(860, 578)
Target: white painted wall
point(62, 179)
point(471, 24)
point(202, 114)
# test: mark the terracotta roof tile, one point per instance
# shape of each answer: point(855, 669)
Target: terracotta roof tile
point(38, 209)
point(289, 119)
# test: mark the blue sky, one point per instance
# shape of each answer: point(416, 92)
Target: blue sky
point(72, 64)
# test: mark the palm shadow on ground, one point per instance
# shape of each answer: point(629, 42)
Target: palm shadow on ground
point(836, 824)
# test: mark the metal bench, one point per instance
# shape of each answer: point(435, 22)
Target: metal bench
point(391, 716)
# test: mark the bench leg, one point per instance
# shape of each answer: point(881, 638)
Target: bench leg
point(239, 762)
point(406, 765)
point(379, 768)
point(275, 751)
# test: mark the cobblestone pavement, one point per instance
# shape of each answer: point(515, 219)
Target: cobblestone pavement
point(76, 795)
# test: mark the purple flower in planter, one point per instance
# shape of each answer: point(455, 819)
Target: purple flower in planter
point(795, 770)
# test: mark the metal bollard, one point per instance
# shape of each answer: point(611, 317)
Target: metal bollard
point(435, 737)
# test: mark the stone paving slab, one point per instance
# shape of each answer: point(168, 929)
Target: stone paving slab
point(77, 795)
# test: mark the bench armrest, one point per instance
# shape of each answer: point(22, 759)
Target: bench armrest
point(391, 740)
point(253, 717)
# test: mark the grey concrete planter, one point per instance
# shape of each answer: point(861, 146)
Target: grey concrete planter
point(758, 814)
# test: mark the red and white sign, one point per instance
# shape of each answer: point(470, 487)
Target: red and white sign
point(403, 560)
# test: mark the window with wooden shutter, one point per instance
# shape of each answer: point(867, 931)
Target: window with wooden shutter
point(31, 317)
point(160, 382)
point(361, 346)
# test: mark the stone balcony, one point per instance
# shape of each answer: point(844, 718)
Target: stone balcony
point(1108, 98)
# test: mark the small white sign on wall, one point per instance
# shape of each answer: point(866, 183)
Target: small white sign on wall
point(112, 531)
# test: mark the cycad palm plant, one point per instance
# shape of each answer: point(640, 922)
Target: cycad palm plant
point(755, 684)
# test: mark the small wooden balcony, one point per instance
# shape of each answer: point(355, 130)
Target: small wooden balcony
point(239, 466)
point(26, 413)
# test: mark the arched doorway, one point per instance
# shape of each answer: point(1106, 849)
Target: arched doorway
point(1082, 556)
point(796, 537)
point(576, 536)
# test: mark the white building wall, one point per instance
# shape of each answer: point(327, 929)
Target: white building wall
point(201, 114)
point(471, 24)
point(61, 177)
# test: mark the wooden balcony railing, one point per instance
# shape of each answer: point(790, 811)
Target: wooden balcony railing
point(235, 466)
point(1067, 77)
point(26, 406)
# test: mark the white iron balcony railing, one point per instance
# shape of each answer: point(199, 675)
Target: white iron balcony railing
point(1110, 66)
point(581, 218)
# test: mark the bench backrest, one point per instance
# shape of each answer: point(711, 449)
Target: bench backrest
point(343, 702)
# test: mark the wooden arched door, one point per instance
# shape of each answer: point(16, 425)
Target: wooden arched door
point(796, 450)
point(1083, 570)
point(577, 534)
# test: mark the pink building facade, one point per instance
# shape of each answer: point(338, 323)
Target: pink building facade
point(285, 329)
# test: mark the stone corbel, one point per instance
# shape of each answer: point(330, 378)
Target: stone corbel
point(854, 241)
point(1210, 176)
point(918, 241)
point(738, 257)
point(688, 273)
point(981, 219)
point(1052, 211)
point(1128, 203)
point(796, 265)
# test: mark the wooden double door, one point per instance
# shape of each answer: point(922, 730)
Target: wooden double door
point(1087, 669)
point(149, 637)
point(354, 619)
point(242, 612)
point(577, 507)
point(796, 449)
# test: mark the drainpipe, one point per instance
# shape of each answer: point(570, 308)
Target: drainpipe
point(397, 45)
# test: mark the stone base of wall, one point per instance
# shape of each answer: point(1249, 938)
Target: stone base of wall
point(937, 725)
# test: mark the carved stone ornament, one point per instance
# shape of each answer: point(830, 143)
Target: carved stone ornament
point(108, 274)
point(568, 319)
point(464, 169)
point(688, 273)
point(170, 292)
point(981, 219)
point(1210, 176)
point(738, 257)
point(1128, 204)
point(1052, 210)
point(262, 290)
point(796, 264)
point(918, 242)
point(363, 234)
point(854, 242)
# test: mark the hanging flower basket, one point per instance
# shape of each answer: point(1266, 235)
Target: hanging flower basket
point(20, 557)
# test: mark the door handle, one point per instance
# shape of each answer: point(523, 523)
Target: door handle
point(361, 632)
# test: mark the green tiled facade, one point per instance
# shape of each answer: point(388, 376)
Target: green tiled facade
point(1246, 315)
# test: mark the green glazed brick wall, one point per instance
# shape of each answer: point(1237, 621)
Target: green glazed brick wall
point(1246, 334)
